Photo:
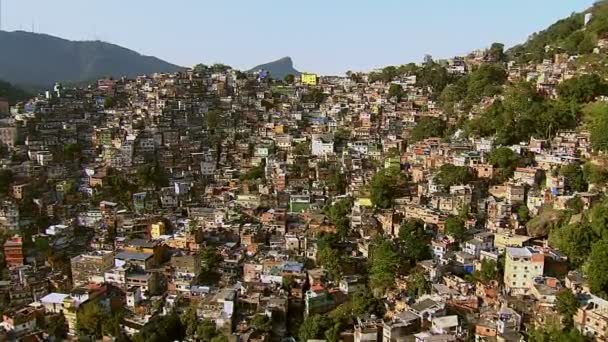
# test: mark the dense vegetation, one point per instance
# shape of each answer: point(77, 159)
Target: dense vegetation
point(12, 93)
point(566, 35)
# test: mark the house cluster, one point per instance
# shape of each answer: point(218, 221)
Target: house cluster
point(207, 191)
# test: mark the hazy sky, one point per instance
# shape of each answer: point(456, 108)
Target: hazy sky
point(323, 36)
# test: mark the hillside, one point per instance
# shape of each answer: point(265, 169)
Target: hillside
point(31, 59)
point(568, 35)
point(279, 68)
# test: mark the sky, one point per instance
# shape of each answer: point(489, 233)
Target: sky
point(321, 36)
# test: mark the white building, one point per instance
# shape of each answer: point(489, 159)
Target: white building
point(322, 145)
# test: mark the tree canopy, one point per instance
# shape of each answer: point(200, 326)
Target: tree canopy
point(428, 127)
point(386, 186)
point(450, 174)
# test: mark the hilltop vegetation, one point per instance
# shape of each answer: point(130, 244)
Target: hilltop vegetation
point(566, 35)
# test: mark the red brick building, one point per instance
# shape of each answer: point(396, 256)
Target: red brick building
point(13, 251)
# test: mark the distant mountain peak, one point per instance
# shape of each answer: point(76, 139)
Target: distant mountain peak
point(279, 68)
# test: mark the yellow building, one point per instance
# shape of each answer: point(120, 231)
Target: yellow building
point(522, 265)
point(364, 202)
point(309, 79)
point(157, 229)
point(504, 240)
point(70, 310)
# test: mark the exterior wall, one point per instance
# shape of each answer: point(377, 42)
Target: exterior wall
point(520, 271)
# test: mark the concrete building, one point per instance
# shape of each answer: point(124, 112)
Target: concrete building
point(13, 252)
point(522, 266)
point(91, 266)
point(592, 319)
point(322, 145)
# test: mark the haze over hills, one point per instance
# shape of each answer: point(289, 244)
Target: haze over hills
point(279, 68)
point(39, 60)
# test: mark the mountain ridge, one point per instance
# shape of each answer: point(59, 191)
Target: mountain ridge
point(278, 68)
point(35, 59)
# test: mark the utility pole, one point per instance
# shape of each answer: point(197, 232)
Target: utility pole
point(0, 15)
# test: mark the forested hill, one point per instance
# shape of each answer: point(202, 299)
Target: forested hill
point(511, 96)
point(569, 35)
point(38, 60)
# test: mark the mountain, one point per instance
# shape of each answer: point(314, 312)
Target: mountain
point(569, 35)
point(39, 60)
point(279, 68)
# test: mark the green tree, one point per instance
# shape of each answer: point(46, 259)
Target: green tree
point(505, 159)
point(330, 259)
point(597, 268)
point(395, 90)
point(256, 172)
point(152, 175)
point(414, 241)
point(386, 186)
point(6, 178)
point(428, 127)
point(109, 102)
point(417, 284)
point(213, 119)
point(432, 77)
point(384, 264)
point(582, 89)
point(575, 204)
point(450, 174)
point(89, 320)
point(200, 68)
point(206, 330)
point(364, 303)
point(338, 214)
point(554, 334)
point(574, 240)
point(596, 115)
point(302, 149)
point(72, 151)
point(210, 262)
point(219, 338)
point(337, 182)
point(189, 320)
point(487, 272)
point(454, 227)
point(58, 327)
point(573, 177)
point(523, 213)
point(593, 174)
point(486, 80)
point(567, 305)
point(261, 323)
point(496, 52)
point(311, 328)
point(289, 78)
